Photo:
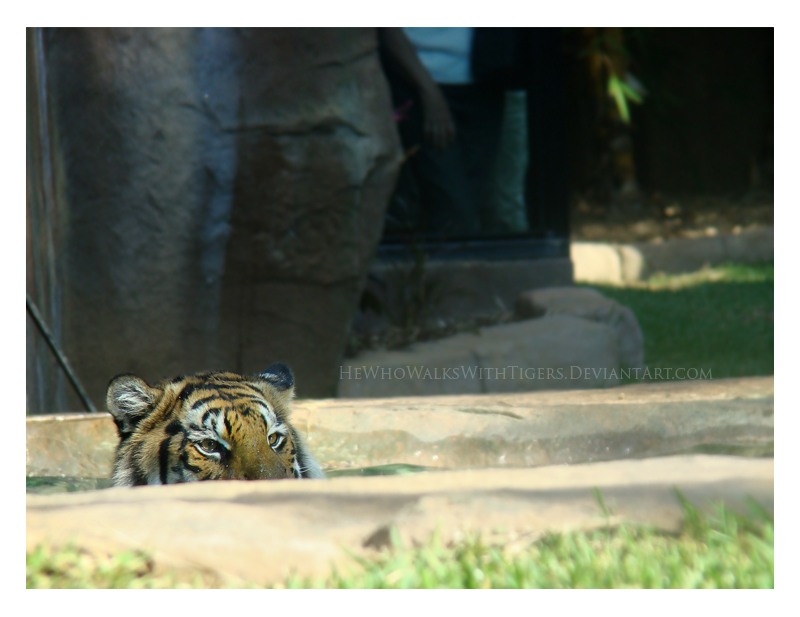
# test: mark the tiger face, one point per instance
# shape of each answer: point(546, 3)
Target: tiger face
point(208, 426)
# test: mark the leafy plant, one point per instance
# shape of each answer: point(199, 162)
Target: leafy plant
point(607, 59)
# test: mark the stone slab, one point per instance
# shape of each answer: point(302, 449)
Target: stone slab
point(79, 445)
point(262, 531)
point(527, 429)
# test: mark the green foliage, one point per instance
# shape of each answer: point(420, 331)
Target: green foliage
point(607, 55)
point(718, 319)
point(622, 92)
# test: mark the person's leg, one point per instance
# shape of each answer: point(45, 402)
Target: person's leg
point(449, 205)
point(478, 113)
point(505, 211)
point(436, 178)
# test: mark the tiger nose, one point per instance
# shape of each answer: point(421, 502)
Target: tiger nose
point(255, 472)
point(259, 470)
point(263, 474)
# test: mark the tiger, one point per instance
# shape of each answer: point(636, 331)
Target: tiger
point(207, 426)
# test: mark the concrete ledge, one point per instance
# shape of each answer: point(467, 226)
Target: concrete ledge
point(617, 264)
point(529, 429)
point(218, 528)
point(596, 262)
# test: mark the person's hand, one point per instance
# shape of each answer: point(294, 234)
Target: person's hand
point(438, 125)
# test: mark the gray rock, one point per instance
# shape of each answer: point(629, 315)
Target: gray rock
point(222, 193)
point(558, 351)
point(594, 306)
point(218, 528)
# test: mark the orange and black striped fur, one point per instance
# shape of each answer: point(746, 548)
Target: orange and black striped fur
point(208, 426)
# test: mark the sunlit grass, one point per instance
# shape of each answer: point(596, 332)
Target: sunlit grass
point(73, 568)
point(718, 319)
point(721, 550)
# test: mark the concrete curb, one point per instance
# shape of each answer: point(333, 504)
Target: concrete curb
point(618, 264)
point(262, 531)
point(497, 430)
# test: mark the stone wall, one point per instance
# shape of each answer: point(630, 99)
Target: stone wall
point(221, 193)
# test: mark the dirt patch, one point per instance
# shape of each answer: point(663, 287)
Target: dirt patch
point(660, 217)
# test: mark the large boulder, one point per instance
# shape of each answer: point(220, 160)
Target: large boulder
point(222, 193)
point(594, 306)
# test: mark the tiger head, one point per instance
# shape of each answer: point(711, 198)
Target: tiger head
point(208, 426)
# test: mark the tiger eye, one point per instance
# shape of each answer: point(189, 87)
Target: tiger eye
point(209, 445)
point(273, 438)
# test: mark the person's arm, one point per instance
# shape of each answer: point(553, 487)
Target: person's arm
point(439, 128)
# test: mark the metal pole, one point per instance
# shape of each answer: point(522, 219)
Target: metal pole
point(62, 360)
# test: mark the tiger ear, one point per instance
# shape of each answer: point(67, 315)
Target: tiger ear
point(129, 400)
point(280, 377)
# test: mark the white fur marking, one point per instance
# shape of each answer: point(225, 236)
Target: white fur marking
point(134, 399)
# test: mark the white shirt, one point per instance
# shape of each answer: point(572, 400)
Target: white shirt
point(445, 52)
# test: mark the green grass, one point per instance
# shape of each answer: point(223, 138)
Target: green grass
point(720, 550)
point(718, 319)
point(70, 567)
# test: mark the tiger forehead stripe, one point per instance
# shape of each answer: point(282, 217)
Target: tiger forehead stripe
point(215, 421)
point(207, 400)
point(198, 413)
point(246, 397)
point(269, 415)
